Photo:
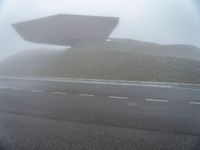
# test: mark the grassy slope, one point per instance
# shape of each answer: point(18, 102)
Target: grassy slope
point(27, 62)
point(122, 66)
point(119, 60)
point(126, 45)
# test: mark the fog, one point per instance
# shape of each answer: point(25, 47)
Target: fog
point(165, 22)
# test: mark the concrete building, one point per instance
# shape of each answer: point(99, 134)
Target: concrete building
point(66, 30)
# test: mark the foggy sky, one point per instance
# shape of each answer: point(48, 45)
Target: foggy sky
point(160, 21)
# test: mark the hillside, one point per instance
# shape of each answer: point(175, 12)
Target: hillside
point(128, 45)
point(117, 65)
point(109, 61)
point(27, 62)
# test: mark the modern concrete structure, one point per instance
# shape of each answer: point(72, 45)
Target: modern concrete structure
point(64, 29)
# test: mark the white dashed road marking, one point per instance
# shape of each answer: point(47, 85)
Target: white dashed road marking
point(86, 95)
point(61, 93)
point(38, 91)
point(113, 97)
point(195, 103)
point(157, 100)
point(18, 89)
point(117, 97)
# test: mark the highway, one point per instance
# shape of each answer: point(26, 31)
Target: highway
point(57, 115)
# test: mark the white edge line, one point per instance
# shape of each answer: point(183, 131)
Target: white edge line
point(110, 82)
point(118, 97)
point(157, 100)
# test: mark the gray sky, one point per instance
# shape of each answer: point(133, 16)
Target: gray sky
point(161, 21)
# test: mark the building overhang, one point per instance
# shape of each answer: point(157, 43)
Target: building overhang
point(66, 30)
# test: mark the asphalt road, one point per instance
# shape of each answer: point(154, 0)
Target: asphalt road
point(49, 115)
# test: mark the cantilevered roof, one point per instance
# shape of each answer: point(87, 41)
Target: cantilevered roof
point(64, 29)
